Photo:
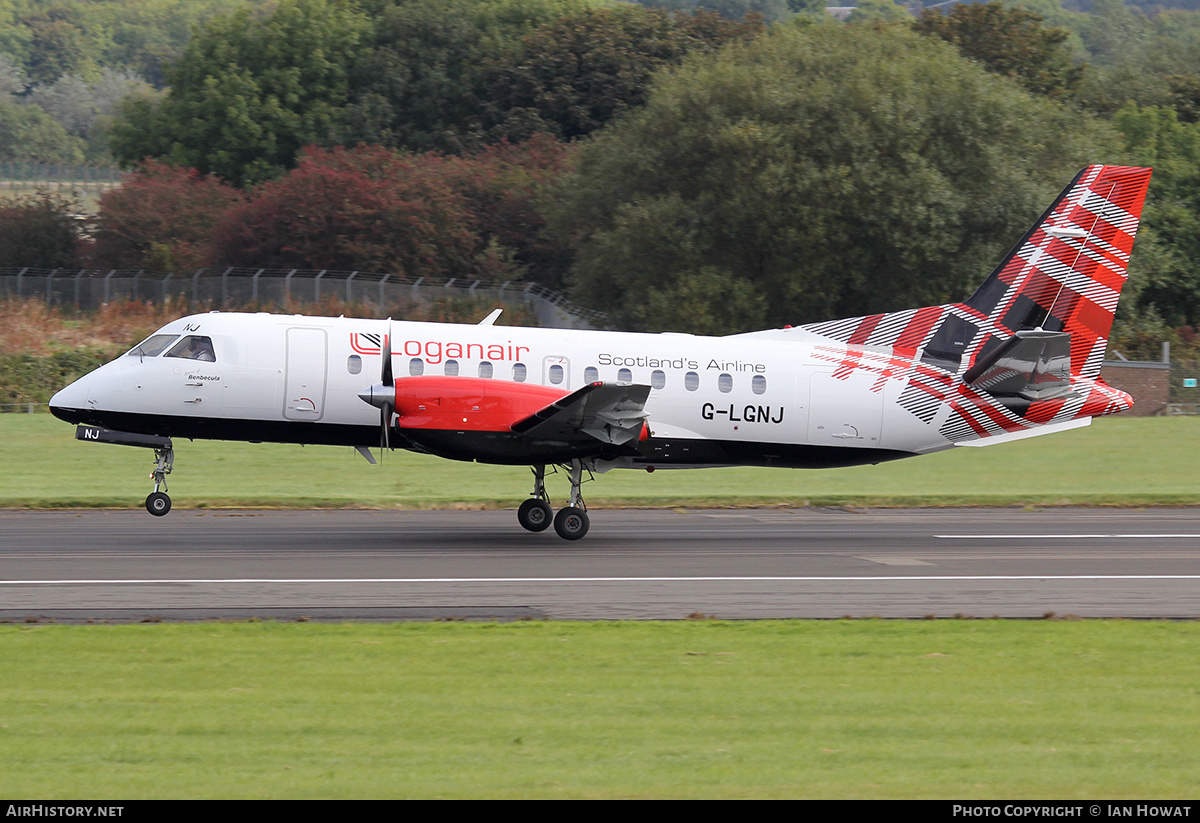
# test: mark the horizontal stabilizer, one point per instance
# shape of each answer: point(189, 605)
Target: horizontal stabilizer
point(1033, 364)
point(1025, 434)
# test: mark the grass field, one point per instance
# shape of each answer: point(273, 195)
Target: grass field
point(1133, 461)
point(868, 709)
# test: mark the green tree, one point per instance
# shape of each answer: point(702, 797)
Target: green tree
point(57, 46)
point(574, 75)
point(248, 93)
point(28, 134)
point(1164, 273)
point(816, 172)
point(879, 11)
point(1009, 41)
point(422, 86)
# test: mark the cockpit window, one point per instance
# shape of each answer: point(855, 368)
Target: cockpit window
point(152, 346)
point(194, 347)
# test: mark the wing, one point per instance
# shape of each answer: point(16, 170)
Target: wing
point(612, 413)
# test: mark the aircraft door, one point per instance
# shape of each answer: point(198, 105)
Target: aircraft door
point(304, 397)
point(845, 411)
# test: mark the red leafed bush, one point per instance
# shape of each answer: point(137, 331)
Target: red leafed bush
point(367, 208)
point(503, 185)
point(161, 218)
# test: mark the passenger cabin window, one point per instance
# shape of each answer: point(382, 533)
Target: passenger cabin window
point(153, 346)
point(194, 347)
point(658, 379)
point(452, 368)
point(485, 370)
point(416, 367)
point(691, 381)
point(591, 374)
point(625, 375)
point(758, 384)
point(354, 364)
point(556, 374)
point(519, 372)
point(725, 383)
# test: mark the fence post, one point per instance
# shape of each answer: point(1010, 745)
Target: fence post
point(196, 287)
point(348, 279)
point(414, 287)
point(317, 286)
point(225, 286)
point(81, 271)
point(19, 274)
point(381, 282)
point(49, 286)
point(287, 288)
point(111, 272)
point(254, 288)
point(163, 299)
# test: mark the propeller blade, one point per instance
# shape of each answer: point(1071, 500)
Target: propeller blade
point(385, 425)
point(385, 375)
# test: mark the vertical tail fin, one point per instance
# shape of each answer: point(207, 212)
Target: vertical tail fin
point(1025, 350)
point(1066, 274)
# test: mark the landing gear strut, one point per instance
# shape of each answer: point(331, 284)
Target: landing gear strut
point(571, 522)
point(535, 514)
point(158, 502)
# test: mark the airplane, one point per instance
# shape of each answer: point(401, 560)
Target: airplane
point(1021, 357)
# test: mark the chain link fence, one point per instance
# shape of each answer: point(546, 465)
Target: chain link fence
point(1184, 387)
point(229, 288)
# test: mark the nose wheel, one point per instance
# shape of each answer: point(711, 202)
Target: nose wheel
point(158, 503)
point(536, 514)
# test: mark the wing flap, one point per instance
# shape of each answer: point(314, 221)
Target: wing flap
point(612, 413)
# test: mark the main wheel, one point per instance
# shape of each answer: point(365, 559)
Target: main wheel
point(158, 503)
point(535, 515)
point(571, 523)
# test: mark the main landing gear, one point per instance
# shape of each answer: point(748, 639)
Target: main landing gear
point(158, 502)
point(571, 522)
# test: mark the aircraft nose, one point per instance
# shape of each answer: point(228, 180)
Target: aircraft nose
point(67, 402)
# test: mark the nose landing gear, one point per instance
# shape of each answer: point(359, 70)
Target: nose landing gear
point(158, 502)
point(571, 522)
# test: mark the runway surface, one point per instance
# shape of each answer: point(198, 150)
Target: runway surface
point(634, 564)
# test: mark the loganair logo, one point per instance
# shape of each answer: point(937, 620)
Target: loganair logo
point(435, 351)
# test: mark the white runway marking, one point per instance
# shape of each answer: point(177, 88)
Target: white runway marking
point(726, 579)
point(1058, 536)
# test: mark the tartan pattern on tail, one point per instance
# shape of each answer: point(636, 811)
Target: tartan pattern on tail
point(1066, 274)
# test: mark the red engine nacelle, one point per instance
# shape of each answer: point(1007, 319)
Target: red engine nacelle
point(468, 403)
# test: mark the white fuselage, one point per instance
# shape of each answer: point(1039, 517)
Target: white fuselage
point(293, 378)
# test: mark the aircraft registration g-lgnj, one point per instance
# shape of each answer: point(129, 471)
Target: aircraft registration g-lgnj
point(1020, 357)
